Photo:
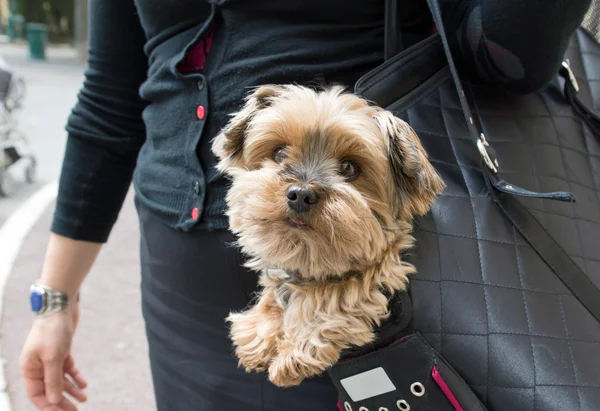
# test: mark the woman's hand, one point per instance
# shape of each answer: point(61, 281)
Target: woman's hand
point(47, 367)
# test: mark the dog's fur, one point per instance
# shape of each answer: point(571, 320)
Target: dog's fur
point(325, 284)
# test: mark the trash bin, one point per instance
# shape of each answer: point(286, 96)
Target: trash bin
point(15, 29)
point(37, 36)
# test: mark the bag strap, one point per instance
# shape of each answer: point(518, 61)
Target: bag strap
point(570, 91)
point(392, 35)
point(487, 153)
point(503, 194)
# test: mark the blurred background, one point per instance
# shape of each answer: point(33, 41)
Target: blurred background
point(44, 44)
point(42, 62)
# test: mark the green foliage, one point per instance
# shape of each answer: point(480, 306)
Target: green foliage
point(17, 6)
point(56, 14)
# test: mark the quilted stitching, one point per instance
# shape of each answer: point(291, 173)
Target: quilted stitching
point(483, 297)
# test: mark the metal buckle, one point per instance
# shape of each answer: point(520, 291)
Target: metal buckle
point(567, 66)
point(481, 145)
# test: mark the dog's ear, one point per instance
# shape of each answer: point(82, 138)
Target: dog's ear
point(228, 145)
point(417, 182)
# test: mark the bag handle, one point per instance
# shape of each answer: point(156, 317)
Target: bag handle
point(570, 90)
point(531, 229)
point(487, 153)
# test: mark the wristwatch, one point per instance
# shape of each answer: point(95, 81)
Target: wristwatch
point(45, 300)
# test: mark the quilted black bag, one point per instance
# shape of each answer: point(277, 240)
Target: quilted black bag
point(505, 308)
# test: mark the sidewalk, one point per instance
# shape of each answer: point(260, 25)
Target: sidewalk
point(109, 347)
point(51, 90)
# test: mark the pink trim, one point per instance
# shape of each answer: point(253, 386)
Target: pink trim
point(445, 389)
point(403, 338)
point(340, 406)
point(196, 57)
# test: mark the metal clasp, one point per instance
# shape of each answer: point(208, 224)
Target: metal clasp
point(491, 163)
point(567, 66)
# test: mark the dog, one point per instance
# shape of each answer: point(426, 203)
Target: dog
point(324, 188)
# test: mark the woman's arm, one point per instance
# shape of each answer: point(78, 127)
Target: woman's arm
point(517, 45)
point(67, 262)
point(105, 133)
point(105, 128)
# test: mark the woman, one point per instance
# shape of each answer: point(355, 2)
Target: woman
point(162, 78)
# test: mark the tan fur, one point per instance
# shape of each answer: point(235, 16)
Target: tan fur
point(323, 284)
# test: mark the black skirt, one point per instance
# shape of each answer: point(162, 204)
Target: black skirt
point(190, 282)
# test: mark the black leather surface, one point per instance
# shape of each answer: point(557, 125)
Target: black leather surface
point(390, 80)
point(483, 298)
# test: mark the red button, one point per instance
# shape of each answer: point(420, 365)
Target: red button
point(195, 213)
point(200, 112)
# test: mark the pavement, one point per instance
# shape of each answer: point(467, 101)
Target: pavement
point(51, 91)
point(109, 347)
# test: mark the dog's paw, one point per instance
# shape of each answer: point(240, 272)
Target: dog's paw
point(288, 370)
point(285, 371)
point(254, 351)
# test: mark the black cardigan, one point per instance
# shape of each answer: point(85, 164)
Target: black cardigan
point(137, 115)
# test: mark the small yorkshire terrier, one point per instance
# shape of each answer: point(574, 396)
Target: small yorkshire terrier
point(324, 190)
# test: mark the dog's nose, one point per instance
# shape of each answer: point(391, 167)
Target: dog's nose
point(301, 199)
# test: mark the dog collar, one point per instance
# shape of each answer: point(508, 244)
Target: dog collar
point(296, 278)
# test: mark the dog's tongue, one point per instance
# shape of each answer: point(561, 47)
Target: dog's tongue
point(298, 219)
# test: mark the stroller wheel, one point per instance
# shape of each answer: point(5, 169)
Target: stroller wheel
point(30, 172)
point(5, 183)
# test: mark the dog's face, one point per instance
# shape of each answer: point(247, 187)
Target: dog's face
point(322, 182)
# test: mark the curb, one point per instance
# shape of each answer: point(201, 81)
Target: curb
point(12, 235)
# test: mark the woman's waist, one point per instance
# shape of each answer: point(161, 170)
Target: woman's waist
point(184, 194)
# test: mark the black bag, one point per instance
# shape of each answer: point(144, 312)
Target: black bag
point(505, 303)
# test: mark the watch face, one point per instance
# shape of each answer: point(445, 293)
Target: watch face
point(37, 299)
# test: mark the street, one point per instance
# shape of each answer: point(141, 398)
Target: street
point(109, 347)
point(52, 88)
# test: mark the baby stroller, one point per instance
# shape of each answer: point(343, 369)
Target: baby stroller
point(13, 144)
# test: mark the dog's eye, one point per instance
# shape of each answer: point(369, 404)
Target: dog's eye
point(349, 169)
point(279, 154)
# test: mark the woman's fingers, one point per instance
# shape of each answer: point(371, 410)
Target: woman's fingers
point(41, 402)
point(65, 405)
point(78, 378)
point(74, 373)
point(53, 379)
point(74, 391)
point(33, 380)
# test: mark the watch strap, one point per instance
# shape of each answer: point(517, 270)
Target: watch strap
point(46, 300)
